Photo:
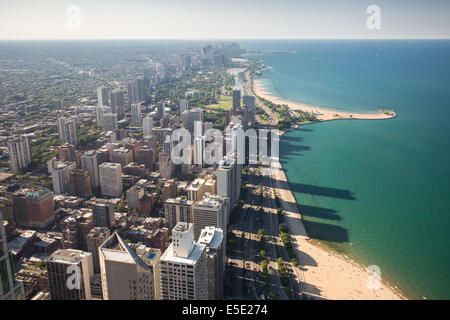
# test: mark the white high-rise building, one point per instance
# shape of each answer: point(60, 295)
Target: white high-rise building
point(60, 177)
point(184, 105)
point(183, 266)
point(209, 211)
point(90, 164)
point(67, 129)
point(199, 146)
point(136, 114)
point(213, 239)
point(111, 179)
point(19, 153)
point(102, 96)
point(147, 124)
point(226, 179)
point(124, 274)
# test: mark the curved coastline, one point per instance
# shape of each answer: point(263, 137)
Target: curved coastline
point(332, 275)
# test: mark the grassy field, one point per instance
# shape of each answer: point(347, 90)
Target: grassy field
point(225, 103)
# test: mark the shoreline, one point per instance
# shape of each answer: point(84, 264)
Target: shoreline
point(322, 114)
point(325, 273)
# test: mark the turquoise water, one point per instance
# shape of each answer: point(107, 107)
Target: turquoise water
point(379, 190)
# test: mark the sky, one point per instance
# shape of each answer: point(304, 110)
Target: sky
point(221, 19)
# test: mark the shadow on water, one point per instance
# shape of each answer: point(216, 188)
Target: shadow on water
point(318, 212)
point(326, 232)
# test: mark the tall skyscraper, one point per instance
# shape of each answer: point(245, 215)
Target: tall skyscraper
point(19, 153)
point(110, 122)
point(125, 276)
point(90, 164)
point(161, 109)
point(184, 105)
point(209, 211)
point(165, 166)
point(236, 100)
point(102, 96)
point(67, 129)
point(69, 272)
point(147, 124)
point(60, 177)
point(9, 289)
point(213, 239)
point(249, 103)
point(117, 98)
point(141, 89)
point(183, 266)
point(132, 93)
point(226, 180)
point(136, 114)
point(111, 179)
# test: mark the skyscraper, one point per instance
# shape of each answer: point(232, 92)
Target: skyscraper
point(9, 289)
point(117, 98)
point(236, 100)
point(184, 105)
point(183, 266)
point(69, 272)
point(19, 153)
point(249, 103)
point(213, 239)
point(102, 96)
point(90, 164)
point(125, 276)
point(111, 179)
point(110, 122)
point(67, 129)
point(103, 213)
point(178, 210)
point(147, 124)
point(209, 211)
point(136, 114)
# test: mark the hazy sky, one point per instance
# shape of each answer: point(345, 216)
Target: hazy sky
point(224, 19)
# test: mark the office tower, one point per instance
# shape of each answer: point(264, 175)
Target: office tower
point(102, 96)
point(111, 179)
point(132, 93)
point(19, 153)
point(117, 99)
point(90, 164)
point(103, 214)
point(110, 122)
point(227, 179)
point(141, 89)
point(125, 276)
point(213, 239)
point(183, 266)
point(67, 130)
point(9, 289)
point(178, 210)
point(199, 146)
point(79, 183)
point(161, 109)
point(196, 189)
point(184, 105)
point(34, 207)
point(209, 211)
point(165, 166)
point(134, 194)
point(66, 152)
point(122, 156)
point(190, 116)
point(219, 60)
point(60, 177)
point(236, 100)
point(95, 238)
point(69, 272)
point(147, 124)
point(136, 114)
point(249, 103)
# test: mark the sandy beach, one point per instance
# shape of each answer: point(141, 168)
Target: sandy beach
point(324, 274)
point(321, 113)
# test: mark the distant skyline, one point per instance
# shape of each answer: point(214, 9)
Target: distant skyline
point(227, 19)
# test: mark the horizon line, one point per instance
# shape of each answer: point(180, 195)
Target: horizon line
point(220, 39)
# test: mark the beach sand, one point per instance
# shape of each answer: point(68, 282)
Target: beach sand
point(321, 113)
point(324, 274)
